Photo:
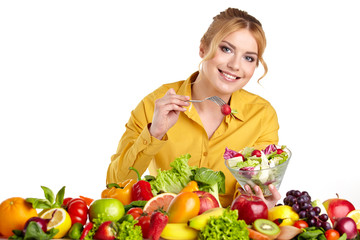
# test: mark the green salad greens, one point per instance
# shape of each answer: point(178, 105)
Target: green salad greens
point(180, 174)
point(226, 226)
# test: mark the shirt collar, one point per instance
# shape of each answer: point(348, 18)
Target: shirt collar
point(236, 102)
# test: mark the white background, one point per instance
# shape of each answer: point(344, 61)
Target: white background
point(72, 71)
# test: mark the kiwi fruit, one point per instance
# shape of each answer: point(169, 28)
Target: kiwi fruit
point(266, 227)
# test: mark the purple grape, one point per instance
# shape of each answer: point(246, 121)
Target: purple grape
point(297, 193)
point(326, 225)
point(305, 206)
point(304, 193)
point(290, 193)
point(324, 217)
point(296, 207)
point(302, 214)
point(317, 210)
point(318, 224)
point(301, 199)
point(311, 221)
point(311, 214)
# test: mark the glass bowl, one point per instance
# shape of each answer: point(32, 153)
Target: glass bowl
point(262, 178)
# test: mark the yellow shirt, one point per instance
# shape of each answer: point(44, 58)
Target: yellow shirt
point(255, 124)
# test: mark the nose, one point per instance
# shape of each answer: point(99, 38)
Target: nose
point(235, 63)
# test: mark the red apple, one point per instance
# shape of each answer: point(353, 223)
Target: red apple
point(207, 201)
point(250, 208)
point(337, 208)
point(346, 225)
point(105, 231)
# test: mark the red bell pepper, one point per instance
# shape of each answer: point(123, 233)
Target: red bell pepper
point(141, 190)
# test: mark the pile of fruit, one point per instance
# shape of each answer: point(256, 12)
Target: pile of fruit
point(132, 210)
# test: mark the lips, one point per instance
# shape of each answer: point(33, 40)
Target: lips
point(228, 76)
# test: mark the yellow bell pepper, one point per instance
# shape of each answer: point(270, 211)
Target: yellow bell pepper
point(121, 191)
point(191, 187)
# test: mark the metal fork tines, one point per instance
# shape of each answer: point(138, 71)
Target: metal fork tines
point(215, 99)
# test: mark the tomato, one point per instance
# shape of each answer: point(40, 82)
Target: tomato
point(301, 224)
point(183, 207)
point(77, 210)
point(332, 234)
point(135, 212)
point(66, 202)
point(144, 223)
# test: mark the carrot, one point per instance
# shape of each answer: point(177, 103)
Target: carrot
point(87, 200)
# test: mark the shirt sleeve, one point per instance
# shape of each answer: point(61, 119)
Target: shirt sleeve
point(269, 128)
point(136, 147)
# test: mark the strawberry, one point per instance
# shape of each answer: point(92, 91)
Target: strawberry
point(158, 221)
point(105, 231)
point(225, 109)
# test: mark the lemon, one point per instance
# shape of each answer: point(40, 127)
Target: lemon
point(355, 215)
point(284, 212)
point(60, 220)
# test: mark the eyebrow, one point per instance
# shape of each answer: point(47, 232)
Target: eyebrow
point(231, 45)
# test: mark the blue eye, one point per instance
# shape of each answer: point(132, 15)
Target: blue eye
point(249, 59)
point(226, 49)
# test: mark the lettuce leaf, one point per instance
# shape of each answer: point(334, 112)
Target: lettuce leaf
point(226, 226)
point(174, 179)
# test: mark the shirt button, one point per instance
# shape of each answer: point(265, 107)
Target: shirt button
point(205, 154)
point(145, 142)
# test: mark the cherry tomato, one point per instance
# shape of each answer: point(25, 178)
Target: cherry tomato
point(183, 207)
point(301, 224)
point(77, 210)
point(144, 223)
point(332, 234)
point(135, 212)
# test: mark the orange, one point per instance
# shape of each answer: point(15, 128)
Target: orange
point(355, 215)
point(14, 212)
point(159, 201)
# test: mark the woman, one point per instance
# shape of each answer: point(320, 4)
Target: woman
point(165, 125)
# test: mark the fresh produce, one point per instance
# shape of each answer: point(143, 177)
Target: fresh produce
point(346, 225)
point(180, 174)
point(300, 201)
point(87, 200)
point(127, 230)
point(192, 186)
point(60, 220)
point(226, 226)
point(288, 232)
point(78, 210)
point(141, 190)
point(266, 227)
point(355, 215)
point(108, 209)
point(337, 208)
point(184, 206)
point(332, 234)
point(106, 231)
point(87, 228)
point(253, 234)
point(50, 201)
point(120, 191)
point(135, 212)
point(144, 223)
point(301, 224)
point(207, 201)
point(14, 212)
point(40, 221)
point(34, 231)
point(75, 231)
point(161, 201)
point(199, 222)
point(283, 212)
point(178, 231)
point(225, 109)
point(158, 221)
point(250, 208)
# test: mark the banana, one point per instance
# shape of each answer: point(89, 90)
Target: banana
point(200, 221)
point(179, 231)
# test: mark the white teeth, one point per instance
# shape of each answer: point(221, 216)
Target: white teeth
point(229, 76)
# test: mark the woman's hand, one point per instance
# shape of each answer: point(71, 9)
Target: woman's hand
point(270, 201)
point(166, 112)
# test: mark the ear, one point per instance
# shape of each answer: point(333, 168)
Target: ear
point(202, 51)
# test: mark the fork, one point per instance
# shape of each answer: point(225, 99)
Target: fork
point(215, 99)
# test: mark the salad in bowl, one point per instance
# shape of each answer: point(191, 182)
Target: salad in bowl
point(258, 167)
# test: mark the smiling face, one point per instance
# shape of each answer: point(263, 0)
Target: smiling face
point(233, 64)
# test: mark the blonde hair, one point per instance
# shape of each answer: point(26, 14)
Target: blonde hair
point(227, 22)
